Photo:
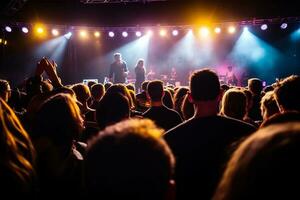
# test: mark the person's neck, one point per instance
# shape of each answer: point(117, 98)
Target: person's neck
point(206, 109)
point(156, 103)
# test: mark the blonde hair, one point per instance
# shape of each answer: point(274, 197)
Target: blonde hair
point(268, 105)
point(17, 152)
point(234, 104)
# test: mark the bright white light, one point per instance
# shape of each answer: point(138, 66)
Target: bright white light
point(246, 28)
point(8, 29)
point(40, 30)
point(55, 32)
point(111, 34)
point(83, 34)
point(97, 34)
point(138, 34)
point(162, 32)
point(174, 32)
point(204, 31)
point(68, 35)
point(217, 30)
point(124, 34)
point(283, 26)
point(25, 30)
point(231, 29)
point(264, 27)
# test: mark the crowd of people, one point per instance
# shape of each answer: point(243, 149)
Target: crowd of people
point(112, 140)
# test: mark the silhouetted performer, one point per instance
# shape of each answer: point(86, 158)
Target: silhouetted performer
point(139, 75)
point(118, 70)
point(230, 77)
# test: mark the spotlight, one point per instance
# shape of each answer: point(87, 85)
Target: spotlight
point(8, 29)
point(231, 29)
point(83, 34)
point(162, 32)
point(124, 34)
point(111, 34)
point(5, 42)
point(264, 27)
point(190, 31)
point(246, 28)
point(97, 34)
point(283, 26)
point(204, 31)
point(55, 32)
point(138, 34)
point(25, 30)
point(40, 30)
point(217, 30)
point(68, 35)
point(174, 32)
point(0, 40)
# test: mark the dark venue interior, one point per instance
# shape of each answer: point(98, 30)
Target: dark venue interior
point(150, 99)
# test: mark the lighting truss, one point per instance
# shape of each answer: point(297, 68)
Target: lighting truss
point(116, 1)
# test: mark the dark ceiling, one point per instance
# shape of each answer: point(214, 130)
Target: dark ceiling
point(152, 13)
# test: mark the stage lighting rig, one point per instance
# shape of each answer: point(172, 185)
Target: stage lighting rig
point(116, 1)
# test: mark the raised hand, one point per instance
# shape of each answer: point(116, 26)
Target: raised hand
point(50, 68)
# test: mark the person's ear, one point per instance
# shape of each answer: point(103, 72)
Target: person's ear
point(147, 95)
point(171, 192)
point(190, 98)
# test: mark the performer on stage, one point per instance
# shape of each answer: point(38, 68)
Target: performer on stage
point(139, 75)
point(118, 70)
point(230, 77)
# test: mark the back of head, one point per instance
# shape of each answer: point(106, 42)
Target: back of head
point(82, 92)
point(268, 105)
point(155, 90)
point(129, 160)
point(91, 83)
point(187, 108)
point(287, 93)
point(234, 104)
point(204, 85)
point(225, 87)
point(265, 166)
point(112, 108)
point(168, 100)
point(121, 89)
point(255, 86)
point(107, 85)
point(278, 118)
point(97, 91)
point(144, 85)
point(180, 93)
point(59, 120)
point(130, 87)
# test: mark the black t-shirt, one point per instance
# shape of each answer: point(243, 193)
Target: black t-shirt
point(163, 117)
point(255, 112)
point(140, 74)
point(202, 147)
point(117, 72)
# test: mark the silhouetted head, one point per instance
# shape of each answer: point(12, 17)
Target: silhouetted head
point(129, 160)
point(265, 166)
